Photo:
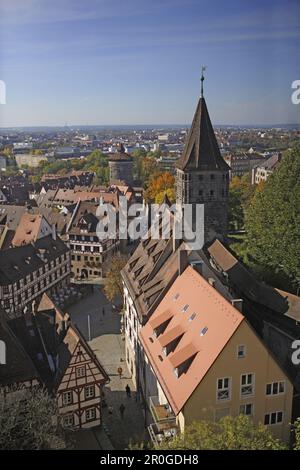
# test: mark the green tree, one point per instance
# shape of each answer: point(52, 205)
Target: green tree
point(113, 286)
point(296, 429)
point(228, 434)
point(241, 192)
point(29, 422)
point(273, 221)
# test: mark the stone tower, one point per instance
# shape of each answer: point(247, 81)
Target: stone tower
point(202, 175)
point(120, 167)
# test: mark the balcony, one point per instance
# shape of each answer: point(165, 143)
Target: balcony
point(164, 425)
point(160, 412)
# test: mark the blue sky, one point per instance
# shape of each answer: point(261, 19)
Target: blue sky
point(139, 61)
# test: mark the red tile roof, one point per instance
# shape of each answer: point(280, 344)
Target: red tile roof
point(203, 321)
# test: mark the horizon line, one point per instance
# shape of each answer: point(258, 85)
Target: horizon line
point(68, 126)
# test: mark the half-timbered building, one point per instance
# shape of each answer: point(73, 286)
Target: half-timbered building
point(56, 356)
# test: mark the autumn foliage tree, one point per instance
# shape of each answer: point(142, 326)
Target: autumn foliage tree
point(113, 287)
point(161, 184)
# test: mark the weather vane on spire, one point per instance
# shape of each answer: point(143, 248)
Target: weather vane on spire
point(203, 68)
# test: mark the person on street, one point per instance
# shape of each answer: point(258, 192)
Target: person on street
point(122, 409)
point(128, 391)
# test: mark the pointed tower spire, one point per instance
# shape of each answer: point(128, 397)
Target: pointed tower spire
point(201, 150)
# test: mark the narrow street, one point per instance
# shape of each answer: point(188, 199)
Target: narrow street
point(103, 330)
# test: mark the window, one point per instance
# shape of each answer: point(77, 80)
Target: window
point(80, 372)
point(90, 414)
point(67, 398)
point(203, 331)
point(89, 391)
point(212, 176)
point(275, 388)
point(274, 418)
point(246, 409)
point(212, 192)
point(68, 420)
point(223, 389)
point(241, 351)
point(247, 385)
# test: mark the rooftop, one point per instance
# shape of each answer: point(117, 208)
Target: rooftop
point(184, 337)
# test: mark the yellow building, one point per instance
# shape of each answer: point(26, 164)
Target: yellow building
point(207, 362)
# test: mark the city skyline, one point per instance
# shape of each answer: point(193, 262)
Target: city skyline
point(107, 63)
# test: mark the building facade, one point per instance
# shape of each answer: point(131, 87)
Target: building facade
point(90, 255)
point(241, 163)
point(28, 271)
point(207, 362)
point(54, 355)
point(262, 172)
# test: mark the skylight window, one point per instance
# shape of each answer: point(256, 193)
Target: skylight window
point(185, 308)
point(176, 296)
point(203, 331)
point(191, 318)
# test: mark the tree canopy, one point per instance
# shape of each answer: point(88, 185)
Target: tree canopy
point(160, 184)
point(113, 286)
point(96, 162)
point(241, 192)
point(28, 421)
point(228, 434)
point(273, 221)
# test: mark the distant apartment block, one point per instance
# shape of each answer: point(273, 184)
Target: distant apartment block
point(32, 161)
point(242, 163)
point(263, 171)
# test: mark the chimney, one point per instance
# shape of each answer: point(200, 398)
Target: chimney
point(67, 320)
point(34, 307)
point(53, 232)
point(198, 266)
point(182, 261)
point(238, 304)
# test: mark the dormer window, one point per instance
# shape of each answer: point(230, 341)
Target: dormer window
point(184, 366)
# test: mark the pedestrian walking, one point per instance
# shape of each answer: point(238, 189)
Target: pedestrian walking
point(128, 391)
point(110, 410)
point(103, 311)
point(122, 409)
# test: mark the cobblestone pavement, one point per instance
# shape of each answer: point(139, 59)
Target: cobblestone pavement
point(108, 345)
